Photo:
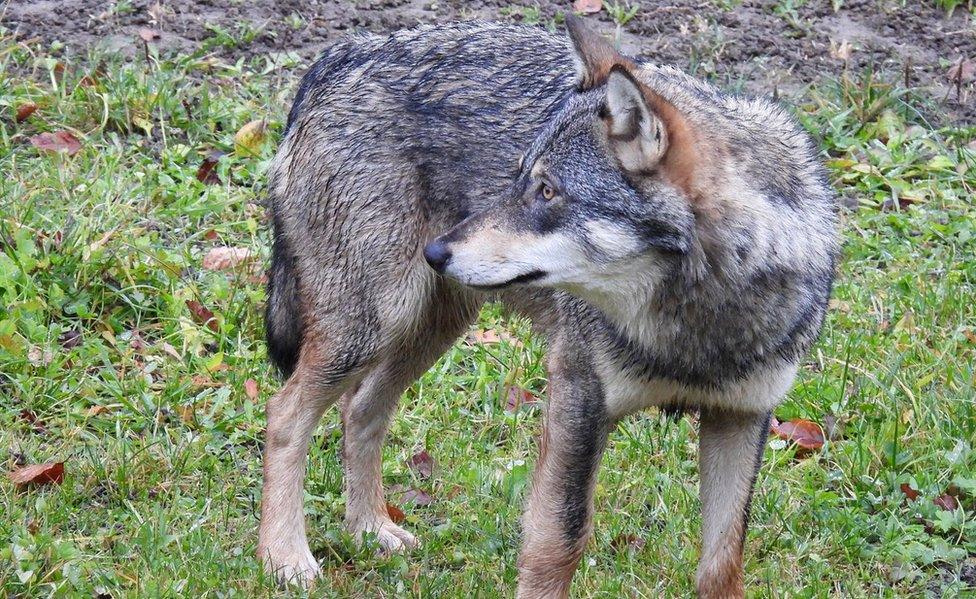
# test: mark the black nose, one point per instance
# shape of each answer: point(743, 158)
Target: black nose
point(437, 255)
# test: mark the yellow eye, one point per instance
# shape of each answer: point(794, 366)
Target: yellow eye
point(547, 192)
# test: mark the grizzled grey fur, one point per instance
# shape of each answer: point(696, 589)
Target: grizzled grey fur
point(674, 243)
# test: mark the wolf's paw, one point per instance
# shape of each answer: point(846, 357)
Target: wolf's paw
point(292, 567)
point(392, 538)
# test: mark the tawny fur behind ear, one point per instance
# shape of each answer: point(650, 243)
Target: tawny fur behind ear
point(593, 54)
point(678, 154)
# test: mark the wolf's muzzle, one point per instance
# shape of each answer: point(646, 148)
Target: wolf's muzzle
point(437, 255)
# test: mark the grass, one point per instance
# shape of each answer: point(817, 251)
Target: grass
point(103, 366)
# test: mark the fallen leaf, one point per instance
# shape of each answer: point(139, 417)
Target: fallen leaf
point(418, 498)
point(910, 493)
point(211, 235)
point(946, 502)
point(588, 7)
point(202, 315)
point(807, 434)
point(171, 351)
point(251, 389)
point(516, 397)
point(203, 381)
point(962, 71)
point(629, 541)
point(149, 35)
point(95, 411)
point(207, 172)
point(841, 51)
point(248, 138)
point(51, 473)
point(59, 141)
point(484, 336)
point(88, 81)
point(396, 514)
point(422, 464)
point(38, 357)
point(225, 258)
point(69, 339)
point(25, 110)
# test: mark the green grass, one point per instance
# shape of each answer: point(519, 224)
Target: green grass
point(162, 445)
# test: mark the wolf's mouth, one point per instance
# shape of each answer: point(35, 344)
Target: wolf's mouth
point(532, 275)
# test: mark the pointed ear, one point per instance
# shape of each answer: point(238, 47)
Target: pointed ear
point(593, 54)
point(638, 136)
point(648, 134)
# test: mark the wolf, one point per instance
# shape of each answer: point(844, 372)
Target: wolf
point(674, 243)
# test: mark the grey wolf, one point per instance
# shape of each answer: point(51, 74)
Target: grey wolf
point(675, 244)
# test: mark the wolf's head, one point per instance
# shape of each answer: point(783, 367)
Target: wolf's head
point(611, 193)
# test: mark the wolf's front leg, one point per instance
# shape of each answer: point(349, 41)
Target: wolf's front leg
point(730, 451)
point(558, 519)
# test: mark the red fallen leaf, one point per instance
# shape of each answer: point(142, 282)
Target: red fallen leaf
point(946, 502)
point(251, 389)
point(628, 542)
point(202, 315)
point(422, 464)
point(518, 397)
point(910, 493)
point(88, 81)
point(149, 35)
point(210, 235)
point(807, 435)
point(207, 172)
point(418, 498)
point(28, 416)
point(588, 7)
point(59, 141)
point(51, 473)
point(25, 110)
point(69, 339)
point(396, 514)
point(224, 258)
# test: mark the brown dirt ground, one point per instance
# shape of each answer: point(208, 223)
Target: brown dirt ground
point(756, 45)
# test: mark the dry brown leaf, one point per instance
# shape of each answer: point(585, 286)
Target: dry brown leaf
point(51, 473)
point(396, 514)
point(25, 110)
point(516, 397)
point(202, 315)
point(962, 71)
point(418, 498)
point(946, 502)
point(422, 464)
point(251, 389)
point(588, 7)
point(207, 172)
point(807, 434)
point(58, 141)
point(225, 258)
point(910, 493)
point(149, 35)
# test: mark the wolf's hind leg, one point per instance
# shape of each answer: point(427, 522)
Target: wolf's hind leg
point(730, 451)
point(293, 414)
point(366, 416)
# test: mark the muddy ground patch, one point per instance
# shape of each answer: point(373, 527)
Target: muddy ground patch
point(762, 46)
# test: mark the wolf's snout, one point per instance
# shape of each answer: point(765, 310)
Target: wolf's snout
point(437, 255)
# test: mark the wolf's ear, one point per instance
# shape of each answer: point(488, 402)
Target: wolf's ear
point(638, 136)
point(647, 133)
point(593, 54)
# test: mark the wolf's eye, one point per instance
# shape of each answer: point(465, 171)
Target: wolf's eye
point(546, 192)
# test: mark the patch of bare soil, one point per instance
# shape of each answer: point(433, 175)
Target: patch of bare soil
point(756, 45)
